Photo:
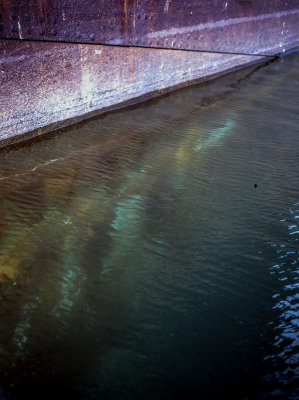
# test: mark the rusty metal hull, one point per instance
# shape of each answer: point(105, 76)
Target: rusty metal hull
point(243, 26)
point(45, 84)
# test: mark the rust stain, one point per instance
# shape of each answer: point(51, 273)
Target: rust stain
point(134, 21)
point(124, 19)
point(132, 64)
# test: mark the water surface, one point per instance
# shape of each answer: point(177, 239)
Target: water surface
point(153, 253)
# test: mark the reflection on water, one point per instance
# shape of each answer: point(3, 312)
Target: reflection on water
point(153, 252)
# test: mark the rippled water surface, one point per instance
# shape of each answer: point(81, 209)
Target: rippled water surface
point(153, 253)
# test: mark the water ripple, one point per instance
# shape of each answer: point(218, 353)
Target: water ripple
point(153, 252)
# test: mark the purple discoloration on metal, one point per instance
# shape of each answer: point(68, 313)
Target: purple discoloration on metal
point(238, 26)
point(47, 83)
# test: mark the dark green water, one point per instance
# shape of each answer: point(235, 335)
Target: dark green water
point(153, 253)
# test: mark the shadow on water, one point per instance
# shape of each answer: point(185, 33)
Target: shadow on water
point(138, 258)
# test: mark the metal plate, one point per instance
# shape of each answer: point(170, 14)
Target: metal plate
point(233, 26)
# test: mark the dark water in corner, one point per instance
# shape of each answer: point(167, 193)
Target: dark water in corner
point(139, 261)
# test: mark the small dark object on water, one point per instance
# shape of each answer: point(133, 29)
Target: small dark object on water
point(255, 185)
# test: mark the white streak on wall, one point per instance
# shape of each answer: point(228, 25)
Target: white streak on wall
point(166, 7)
point(20, 30)
point(220, 24)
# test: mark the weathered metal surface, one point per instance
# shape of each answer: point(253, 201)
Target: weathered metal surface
point(42, 84)
point(237, 26)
